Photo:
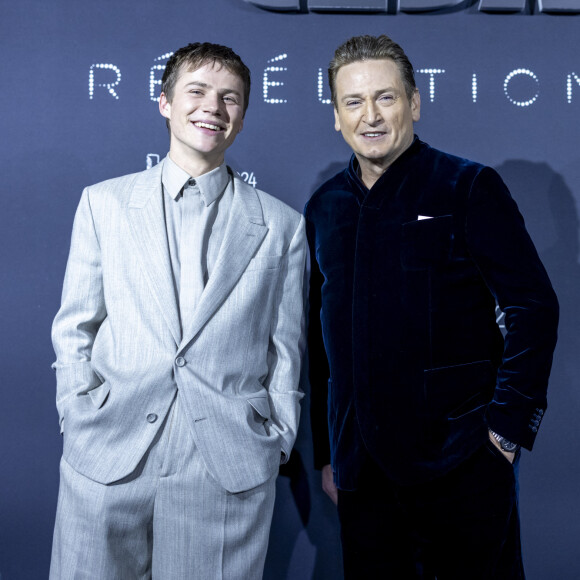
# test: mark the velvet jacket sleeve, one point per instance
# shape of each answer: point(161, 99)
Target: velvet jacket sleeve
point(318, 369)
point(509, 264)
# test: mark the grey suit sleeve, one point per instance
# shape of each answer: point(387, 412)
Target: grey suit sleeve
point(287, 343)
point(82, 310)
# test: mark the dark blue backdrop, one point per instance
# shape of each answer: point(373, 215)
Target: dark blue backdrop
point(59, 135)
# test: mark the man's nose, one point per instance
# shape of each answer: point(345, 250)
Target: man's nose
point(212, 103)
point(372, 113)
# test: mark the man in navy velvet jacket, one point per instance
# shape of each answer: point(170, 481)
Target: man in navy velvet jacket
point(418, 403)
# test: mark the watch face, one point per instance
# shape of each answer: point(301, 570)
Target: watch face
point(508, 445)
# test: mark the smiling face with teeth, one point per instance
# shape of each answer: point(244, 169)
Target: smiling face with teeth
point(374, 115)
point(206, 113)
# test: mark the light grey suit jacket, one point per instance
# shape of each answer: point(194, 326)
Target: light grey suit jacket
point(121, 358)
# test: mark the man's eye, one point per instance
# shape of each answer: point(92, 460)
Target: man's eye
point(387, 98)
point(352, 103)
point(230, 100)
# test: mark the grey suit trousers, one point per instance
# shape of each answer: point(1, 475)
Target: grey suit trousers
point(168, 520)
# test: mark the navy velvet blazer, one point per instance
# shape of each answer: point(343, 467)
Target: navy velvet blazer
point(407, 362)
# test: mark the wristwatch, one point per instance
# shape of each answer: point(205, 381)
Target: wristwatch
point(505, 444)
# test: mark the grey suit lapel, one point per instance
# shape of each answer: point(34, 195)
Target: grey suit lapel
point(146, 217)
point(244, 234)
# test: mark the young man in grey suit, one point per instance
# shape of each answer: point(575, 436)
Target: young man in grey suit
point(178, 349)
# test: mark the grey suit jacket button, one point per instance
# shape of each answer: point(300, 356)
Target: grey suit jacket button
point(152, 417)
point(180, 361)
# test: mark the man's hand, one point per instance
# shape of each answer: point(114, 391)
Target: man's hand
point(328, 483)
point(510, 456)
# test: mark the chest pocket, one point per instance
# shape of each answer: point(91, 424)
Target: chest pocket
point(426, 243)
point(264, 263)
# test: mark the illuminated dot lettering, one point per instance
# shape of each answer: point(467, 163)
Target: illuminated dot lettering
point(268, 83)
point(431, 72)
point(249, 178)
point(474, 88)
point(152, 159)
point(514, 73)
point(108, 86)
point(156, 82)
point(321, 88)
point(569, 85)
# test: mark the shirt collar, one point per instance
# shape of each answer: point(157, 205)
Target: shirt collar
point(173, 178)
point(211, 185)
point(354, 166)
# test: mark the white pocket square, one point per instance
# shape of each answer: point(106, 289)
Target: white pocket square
point(424, 217)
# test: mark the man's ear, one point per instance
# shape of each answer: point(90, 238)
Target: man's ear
point(416, 105)
point(336, 120)
point(164, 106)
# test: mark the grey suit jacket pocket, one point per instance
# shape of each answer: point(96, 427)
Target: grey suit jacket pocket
point(100, 394)
point(264, 263)
point(261, 415)
point(262, 406)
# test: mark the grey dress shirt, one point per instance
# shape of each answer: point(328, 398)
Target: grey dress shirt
point(201, 230)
